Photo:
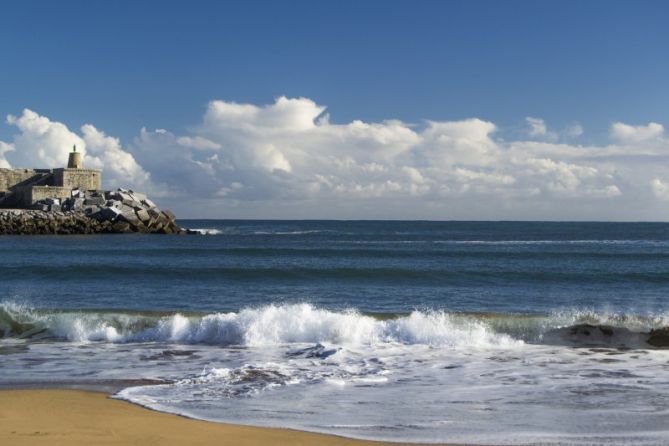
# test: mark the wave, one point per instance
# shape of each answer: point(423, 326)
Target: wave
point(269, 325)
point(250, 232)
point(208, 231)
point(303, 323)
point(296, 232)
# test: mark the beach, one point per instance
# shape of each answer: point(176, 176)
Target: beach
point(73, 417)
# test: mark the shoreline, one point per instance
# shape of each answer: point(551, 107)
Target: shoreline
point(58, 417)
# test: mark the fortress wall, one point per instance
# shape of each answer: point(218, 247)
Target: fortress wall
point(37, 193)
point(86, 179)
point(11, 177)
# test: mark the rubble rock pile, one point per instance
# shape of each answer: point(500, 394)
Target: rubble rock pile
point(91, 212)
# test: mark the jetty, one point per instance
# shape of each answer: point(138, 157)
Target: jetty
point(70, 200)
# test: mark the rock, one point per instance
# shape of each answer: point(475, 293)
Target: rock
point(170, 216)
point(114, 203)
point(78, 204)
point(155, 214)
point(659, 337)
point(98, 201)
point(138, 197)
point(92, 212)
point(121, 227)
point(144, 216)
point(110, 213)
point(131, 218)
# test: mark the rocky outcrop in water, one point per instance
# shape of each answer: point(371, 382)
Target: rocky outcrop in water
point(607, 336)
point(91, 212)
point(659, 337)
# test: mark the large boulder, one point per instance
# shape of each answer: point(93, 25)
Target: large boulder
point(659, 337)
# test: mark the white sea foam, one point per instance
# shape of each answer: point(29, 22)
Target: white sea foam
point(208, 231)
point(268, 325)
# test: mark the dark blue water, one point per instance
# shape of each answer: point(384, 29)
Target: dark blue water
point(371, 265)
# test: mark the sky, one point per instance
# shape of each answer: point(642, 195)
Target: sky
point(439, 110)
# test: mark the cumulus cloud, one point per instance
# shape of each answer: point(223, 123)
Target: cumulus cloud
point(44, 143)
point(5, 148)
point(289, 159)
point(626, 133)
point(120, 167)
point(660, 188)
point(538, 129)
point(537, 126)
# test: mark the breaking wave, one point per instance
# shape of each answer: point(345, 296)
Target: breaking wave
point(304, 323)
point(207, 231)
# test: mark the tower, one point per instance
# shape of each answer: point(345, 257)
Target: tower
point(74, 160)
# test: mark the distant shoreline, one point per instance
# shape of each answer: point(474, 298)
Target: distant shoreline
point(75, 417)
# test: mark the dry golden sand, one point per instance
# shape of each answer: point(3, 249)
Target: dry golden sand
point(73, 417)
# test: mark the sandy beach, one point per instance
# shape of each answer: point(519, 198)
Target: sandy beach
point(73, 417)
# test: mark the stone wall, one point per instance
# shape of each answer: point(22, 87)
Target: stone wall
point(37, 193)
point(85, 179)
point(9, 178)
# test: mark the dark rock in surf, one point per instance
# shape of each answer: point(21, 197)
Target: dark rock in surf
point(589, 336)
point(317, 351)
point(659, 337)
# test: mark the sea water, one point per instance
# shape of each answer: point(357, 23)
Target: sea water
point(474, 332)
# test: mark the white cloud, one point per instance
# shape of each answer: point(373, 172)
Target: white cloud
point(289, 159)
point(120, 167)
point(626, 133)
point(196, 142)
point(5, 148)
point(660, 188)
point(537, 126)
point(538, 129)
point(43, 143)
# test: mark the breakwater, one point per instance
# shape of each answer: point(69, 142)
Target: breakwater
point(91, 212)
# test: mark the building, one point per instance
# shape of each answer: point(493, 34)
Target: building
point(22, 188)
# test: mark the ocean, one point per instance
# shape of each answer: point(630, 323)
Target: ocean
point(472, 332)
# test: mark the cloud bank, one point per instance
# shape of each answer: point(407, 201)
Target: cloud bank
point(288, 160)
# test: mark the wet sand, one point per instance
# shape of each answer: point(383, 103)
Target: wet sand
point(74, 417)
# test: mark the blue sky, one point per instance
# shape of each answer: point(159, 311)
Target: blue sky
point(123, 66)
point(128, 64)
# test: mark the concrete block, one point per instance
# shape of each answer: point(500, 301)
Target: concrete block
point(121, 227)
point(110, 213)
point(143, 215)
point(138, 196)
point(154, 213)
point(169, 215)
point(149, 203)
point(114, 204)
point(91, 209)
point(94, 200)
